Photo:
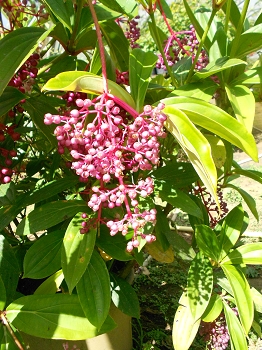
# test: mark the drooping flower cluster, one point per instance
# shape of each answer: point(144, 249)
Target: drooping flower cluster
point(131, 30)
point(106, 139)
point(180, 45)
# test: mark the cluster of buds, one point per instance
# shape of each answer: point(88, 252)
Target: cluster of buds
point(131, 30)
point(107, 139)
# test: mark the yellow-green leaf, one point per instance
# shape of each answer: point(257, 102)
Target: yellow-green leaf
point(218, 150)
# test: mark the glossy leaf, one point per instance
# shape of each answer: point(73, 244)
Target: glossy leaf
point(10, 98)
point(207, 241)
point(15, 48)
point(243, 103)
point(236, 332)
point(114, 246)
point(57, 316)
point(43, 258)
point(51, 284)
point(250, 201)
point(9, 268)
point(249, 253)
point(253, 37)
point(123, 296)
point(214, 119)
point(185, 327)
point(194, 145)
point(230, 230)
point(63, 10)
point(86, 82)
point(199, 285)
point(49, 215)
point(76, 253)
point(141, 64)
point(218, 66)
point(213, 309)
point(2, 294)
point(242, 294)
point(93, 290)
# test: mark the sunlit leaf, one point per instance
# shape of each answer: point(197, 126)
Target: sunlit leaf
point(213, 309)
point(63, 10)
point(51, 284)
point(218, 150)
point(207, 241)
point(251, 36)
point(249, 253)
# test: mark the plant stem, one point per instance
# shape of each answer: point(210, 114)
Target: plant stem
point(100, 45)
point(201, 44)
point(227, 15)
point(5, 323)
point(71, 45)
point(160, 48)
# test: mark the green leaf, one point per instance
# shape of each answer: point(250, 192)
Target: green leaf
point(162, 229)
point(2, 294)
point(234, 15)
point(51, 284)
point(117, 42)
point(207, 241)
point(230, 230)
point(185, 327)
point(8, 214)
point(218, 150)
point(243, 102)
point(15, 48)
point(6, 340)
point(57, 316)
point(7, 194)
point(114, 246)
point(249, 253)
point(93, 291)
point(9, 269)
point(120, 5)
point(249, 77)
point(141, 64)
point(123, 296)
point(86, 82)
point(213, 309)
point(219, 65)
point(214, 119)
point(179, 199)
point(242, 294)
point(199, 285)
point(49, 215)
point(253, 37)
point(194, 145)
point(252, 174)
point(257, 299)
point(250, 201)
point(63, 10)
point(77, 250)
point(204, 90)
point(236, 332)
point(10, 98)
point(43, 258)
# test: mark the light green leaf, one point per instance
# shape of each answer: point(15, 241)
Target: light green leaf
point(214, 119)
point(213, 309)
point(51, 284)
point(257, 299)
point(49, 215)
point(236, 332)
point(242, 294)
point(9, 98)
point(185, 327)
point(15, 48)
point(123, 296)
point(207, 241)
point(249, 77)
point(7, 194)
point(243, 102)
point(141, 64)
point(219, 65)
point(204, 90)
point(86, 82)
point(93, 291)
point(122, 6)
point(194, 145)
point(2, 294)
point(43, 258)
point(199, 285)
point(218, 150)
point(6, 340)
point(251, 36)
point(63, 10)
point(249, 253)
point(77, 250)
point(57, 316)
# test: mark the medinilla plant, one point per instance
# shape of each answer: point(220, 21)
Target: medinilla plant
point(96, 150)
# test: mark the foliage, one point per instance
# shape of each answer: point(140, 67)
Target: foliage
point(96, 151)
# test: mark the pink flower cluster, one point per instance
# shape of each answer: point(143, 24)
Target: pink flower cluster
point(106, 139)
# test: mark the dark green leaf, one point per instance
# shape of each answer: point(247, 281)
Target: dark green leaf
point(234, 13)
point(57, 316)
point(49, 215)
point(43, 258)
point(15, 48)
point(207, 242)
point(124, 296)
point(140, 69)
point(165, 7)
point(76, 252)
point(199, 285)
point(86, 41)
point(63, 10)
point(162, 229)
point(242, 294)
point(252, 174)
point(8, 214)
point(2, 295)
point(9, 98)
point(93, 291)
